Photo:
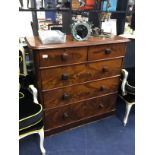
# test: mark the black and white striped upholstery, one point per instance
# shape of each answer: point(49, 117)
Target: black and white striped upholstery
point(30, 111)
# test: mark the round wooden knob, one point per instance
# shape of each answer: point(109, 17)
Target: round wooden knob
point(102, 88)
point(65, 96)
point(107, 51)
point(65, 115)
point(65, 76)
point(105, 69)
point(101, 105)
point(64, 56)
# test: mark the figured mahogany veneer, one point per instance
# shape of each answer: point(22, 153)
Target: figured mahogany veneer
point(68, 75)
point(79, 92)
point(76, 112)
point(62, 56)
point(77, 81)
point(105, 51)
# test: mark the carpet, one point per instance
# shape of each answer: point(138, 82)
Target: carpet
point(107, 136)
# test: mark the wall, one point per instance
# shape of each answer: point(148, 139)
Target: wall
point(130, 55)
point(24, 24)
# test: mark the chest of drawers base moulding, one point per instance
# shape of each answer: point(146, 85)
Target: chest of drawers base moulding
point(77, 81)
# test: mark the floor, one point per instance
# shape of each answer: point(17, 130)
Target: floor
point(104, 137)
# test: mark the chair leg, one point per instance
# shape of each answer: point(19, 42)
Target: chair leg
point(128, 108)
point(41, 134)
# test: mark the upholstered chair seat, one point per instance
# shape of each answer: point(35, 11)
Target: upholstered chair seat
point(30, 111)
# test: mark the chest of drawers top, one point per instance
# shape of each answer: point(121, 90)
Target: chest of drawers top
point(35, 44)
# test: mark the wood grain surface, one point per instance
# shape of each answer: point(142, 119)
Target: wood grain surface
point(105, 51)
point(35, 44)
point(62, 56)
point(70, 113)
point(68, 75)
point(67, 95)
point(77, 81)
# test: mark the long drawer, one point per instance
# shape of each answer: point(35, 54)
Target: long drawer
point(105, 51)
point(62, 56)
point(65, 115)
point(62, 96)
point(68, 75)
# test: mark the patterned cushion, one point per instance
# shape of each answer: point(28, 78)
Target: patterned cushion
point(34, 127)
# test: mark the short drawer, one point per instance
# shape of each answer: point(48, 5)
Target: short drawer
point(64, 76)
point(106, 51)
point(62, 56)
point(72, 113)
point(76, 93)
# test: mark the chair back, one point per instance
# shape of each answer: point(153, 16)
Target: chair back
point(22, 62)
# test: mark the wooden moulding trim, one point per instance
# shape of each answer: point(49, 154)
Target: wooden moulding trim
point(79, 123)
point(104, 95)
point(111, 77)
point(80, 63)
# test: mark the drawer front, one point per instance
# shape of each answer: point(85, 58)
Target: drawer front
point(106, 51)
point(100, 105)
point(79, 92)
point(65, 115)
point(64, 76)
point(62, 56)
point(61, 116)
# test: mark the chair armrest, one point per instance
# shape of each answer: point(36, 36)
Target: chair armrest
point(124, 81)
point(34, 92)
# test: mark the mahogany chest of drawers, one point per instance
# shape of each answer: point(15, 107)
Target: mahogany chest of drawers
point(77, 81)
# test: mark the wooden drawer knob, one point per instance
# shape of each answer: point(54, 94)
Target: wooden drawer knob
point(107, 51)
point(65, 115)
point(101, 105)
point(64, 56)
point(102, 88)
point(65, 76)
point(65, 96)
point(105, 69)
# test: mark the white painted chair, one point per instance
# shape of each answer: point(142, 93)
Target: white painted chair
point(127, 93)
point(30, 111)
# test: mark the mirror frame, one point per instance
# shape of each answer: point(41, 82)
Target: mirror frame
point(74, 31)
